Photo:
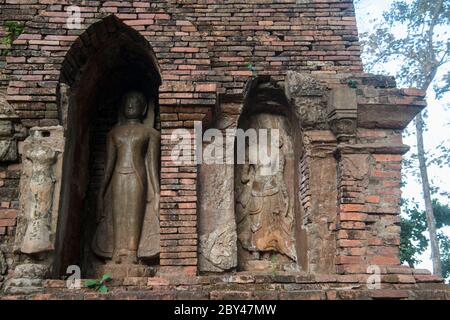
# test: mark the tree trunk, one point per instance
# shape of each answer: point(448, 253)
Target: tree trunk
point(431, 223)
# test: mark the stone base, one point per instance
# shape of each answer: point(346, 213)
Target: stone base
point(122, 271)
point(268, 266)
point(252, 286)
point(27, 278)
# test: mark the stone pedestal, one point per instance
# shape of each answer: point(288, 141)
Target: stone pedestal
point(122, 271)
point(27, 278)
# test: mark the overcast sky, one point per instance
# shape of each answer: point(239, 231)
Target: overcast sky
point(438, 121)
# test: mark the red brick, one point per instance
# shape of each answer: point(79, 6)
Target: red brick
point(384, 260)
point(8, 214)
point(373, 199)
point(352, 216)
point(161, 16)
point(184, 49)
point(7, 222)
point(187, 181)
point(414, 92)
point(386, 174)
point(387, 157)
point(242, 73)
point(265, 23)
point(356, 225)
point(206, 87)
point(349, 260)
point(356, 268)
point(5, 204)
point(187, 205)
point(388, 293)
point(155, 281)
point(350, 243)
point(352, 207)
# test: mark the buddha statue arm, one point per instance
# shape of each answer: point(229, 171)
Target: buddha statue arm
point(109, 170)
point(153, 164)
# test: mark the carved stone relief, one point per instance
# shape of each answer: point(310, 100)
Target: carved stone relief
point(217, 245)
point(9, 130)
point(38, 232)
point(217, 223)
point(342, 113)
point(308, 98)
point(40, 185)
point(265, 204)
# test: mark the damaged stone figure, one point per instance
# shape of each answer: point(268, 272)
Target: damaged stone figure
point(265, 213)
point(37, 239)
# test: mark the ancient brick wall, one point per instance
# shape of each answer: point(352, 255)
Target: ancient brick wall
point(206, 52)
point(195, 42)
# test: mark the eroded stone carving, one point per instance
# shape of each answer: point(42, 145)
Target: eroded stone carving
point(3, 264)
point(218, 249)
point(264, 210)
point(40, 184)
point(217, 223)
point(8, 141)
point(342, 113)
point(308, 98)
point(128, 226)
point(38, 233)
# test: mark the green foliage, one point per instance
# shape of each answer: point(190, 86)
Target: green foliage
point(99, 284)
point(444, 246)
point(252, 68)
point(422, 48)
point(14, 30)
point(352, 84)
point(413, 242)
point(412, 239)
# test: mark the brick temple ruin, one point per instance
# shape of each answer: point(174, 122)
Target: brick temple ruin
point(325, 227)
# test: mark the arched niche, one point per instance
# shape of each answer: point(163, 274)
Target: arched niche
point(268, 211)
point(105, 62)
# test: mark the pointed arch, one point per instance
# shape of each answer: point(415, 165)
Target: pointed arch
point(108, 59)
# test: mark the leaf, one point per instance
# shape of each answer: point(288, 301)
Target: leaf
point(352, 84)
point(106, 277)
point(103, 289)
point(91, 283)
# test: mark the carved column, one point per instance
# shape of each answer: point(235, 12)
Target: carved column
point(319, 199)
point(217, 223)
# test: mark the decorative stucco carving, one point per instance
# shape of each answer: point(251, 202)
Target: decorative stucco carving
point(308, 98)
point(218, 249)
point(342, 113)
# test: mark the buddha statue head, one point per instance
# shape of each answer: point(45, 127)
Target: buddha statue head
point(134, 105)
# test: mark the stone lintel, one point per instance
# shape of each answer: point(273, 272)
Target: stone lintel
point(387, 116)
point(373, 148)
